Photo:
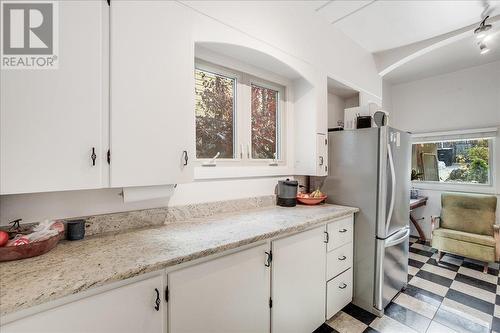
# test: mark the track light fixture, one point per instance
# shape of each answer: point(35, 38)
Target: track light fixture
point(481, 31)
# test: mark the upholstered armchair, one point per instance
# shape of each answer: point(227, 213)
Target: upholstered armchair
point(467, 227)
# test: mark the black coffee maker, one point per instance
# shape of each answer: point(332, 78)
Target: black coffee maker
point(287, 193)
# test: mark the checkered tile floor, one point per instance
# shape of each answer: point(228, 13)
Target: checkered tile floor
point(453, 295)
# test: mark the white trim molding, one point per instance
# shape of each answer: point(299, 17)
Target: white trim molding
point(478, 133)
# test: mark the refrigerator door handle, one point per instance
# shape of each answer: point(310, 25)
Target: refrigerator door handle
point(393, 188)
point(397, 238)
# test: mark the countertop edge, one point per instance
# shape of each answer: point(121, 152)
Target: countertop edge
point(8, 312)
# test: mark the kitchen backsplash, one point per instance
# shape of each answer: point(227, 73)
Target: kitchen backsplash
point(117, 222)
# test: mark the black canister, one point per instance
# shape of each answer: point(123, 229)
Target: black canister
point(287, 193)
point(75, 229)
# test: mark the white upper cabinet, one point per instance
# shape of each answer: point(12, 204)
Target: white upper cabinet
point(322, 151)
point(51, 120)
point(152, 93)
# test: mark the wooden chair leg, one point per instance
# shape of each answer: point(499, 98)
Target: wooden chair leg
point(485, 268)
point(440, 255)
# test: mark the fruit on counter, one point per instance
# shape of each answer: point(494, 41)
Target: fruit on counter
point(18, 240)
point(317, 194)
point(314, 195)
point(58, 226)
point(4, 238)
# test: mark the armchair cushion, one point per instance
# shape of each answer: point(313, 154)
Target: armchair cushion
point(464, 248)
point(464, 236)
point(473, 213)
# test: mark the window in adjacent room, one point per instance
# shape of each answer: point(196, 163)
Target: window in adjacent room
point(239, 117)
point(464, 161)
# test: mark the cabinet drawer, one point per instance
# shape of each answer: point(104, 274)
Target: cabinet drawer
point(338, 260)
point(338, 293)
point(339, 232)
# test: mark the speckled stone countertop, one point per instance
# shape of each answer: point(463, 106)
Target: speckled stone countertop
point(76, 266)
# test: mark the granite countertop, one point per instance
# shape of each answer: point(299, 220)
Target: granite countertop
point(95, 261)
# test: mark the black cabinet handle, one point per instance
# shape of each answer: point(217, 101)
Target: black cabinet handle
point(342, 258)
point(321, 160)
point(327, 237)
point(343, 230)
point(157, 302)
point(343, 286)
point(269, 258)
point(93, 156)
point(186, 157)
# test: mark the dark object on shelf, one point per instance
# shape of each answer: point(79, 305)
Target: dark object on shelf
point(335, 129)
point(287, 193)
point(15, 225)
point(75, 229)
point(363, 122)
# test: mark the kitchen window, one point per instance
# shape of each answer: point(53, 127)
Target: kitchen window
point(215, 108)
point(264, 122)
point(239, 118)
point(465, 159)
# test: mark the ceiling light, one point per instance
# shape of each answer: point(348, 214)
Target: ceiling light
point(483, 48)
point(481, 31)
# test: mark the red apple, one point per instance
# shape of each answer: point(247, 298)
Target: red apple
point(4, 238)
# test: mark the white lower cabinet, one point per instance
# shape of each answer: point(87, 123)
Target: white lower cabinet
point(338, 260)
point(288, 286)
point(338, 293)
point(128, 309)
point(227, 294)
point(340, 232)
point(298, 282)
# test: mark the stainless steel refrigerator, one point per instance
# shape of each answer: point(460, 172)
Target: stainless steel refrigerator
point(370, 169)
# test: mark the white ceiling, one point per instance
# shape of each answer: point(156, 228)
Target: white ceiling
point(387, 24)
point(458, 55)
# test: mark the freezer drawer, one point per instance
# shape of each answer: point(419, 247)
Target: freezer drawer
point(339, 233)
point(338, 260)
point(338, 293)
point(394, 258)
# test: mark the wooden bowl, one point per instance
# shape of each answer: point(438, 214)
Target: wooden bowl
point(8, 253)
point(311, 201)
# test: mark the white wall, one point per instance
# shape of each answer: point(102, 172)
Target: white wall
point(282, 29)
point(294, 28)
point(465, 99)
point(336, 106)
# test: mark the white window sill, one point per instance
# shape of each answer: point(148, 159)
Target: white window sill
point(454, 187)
point(224, 172)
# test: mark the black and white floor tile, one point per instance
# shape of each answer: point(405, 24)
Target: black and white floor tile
point(452, 296)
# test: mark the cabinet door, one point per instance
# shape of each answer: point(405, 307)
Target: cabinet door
point(321, 148)
point(152, 93)
point(228, 294)
point(50, 119)
point(128, 309)
point(298, 282)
